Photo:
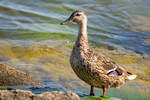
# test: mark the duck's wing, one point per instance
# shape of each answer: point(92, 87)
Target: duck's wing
point(99, 61)
point(112, 68)
point(108, 65)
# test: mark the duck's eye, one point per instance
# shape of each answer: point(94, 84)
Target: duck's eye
point(78, 14)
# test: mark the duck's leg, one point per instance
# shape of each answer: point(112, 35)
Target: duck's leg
point(92, 91)
point(104, 91)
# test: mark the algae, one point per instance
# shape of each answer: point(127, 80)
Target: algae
point(100, 98)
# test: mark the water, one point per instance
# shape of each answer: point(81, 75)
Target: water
point(36, 43)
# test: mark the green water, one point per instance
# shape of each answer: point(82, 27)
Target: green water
point(32, 40)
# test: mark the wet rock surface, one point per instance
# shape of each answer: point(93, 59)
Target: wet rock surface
point(28, 95)
point(11, 77)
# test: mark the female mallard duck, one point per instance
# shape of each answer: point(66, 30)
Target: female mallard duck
point(94, 68)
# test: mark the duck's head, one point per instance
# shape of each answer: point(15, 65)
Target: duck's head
point(78, 17)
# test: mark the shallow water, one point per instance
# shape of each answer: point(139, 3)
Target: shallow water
point(37, 44)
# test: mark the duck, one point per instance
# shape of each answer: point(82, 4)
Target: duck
point(94, 68)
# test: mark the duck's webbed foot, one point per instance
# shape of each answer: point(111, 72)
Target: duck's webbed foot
point(92, 91)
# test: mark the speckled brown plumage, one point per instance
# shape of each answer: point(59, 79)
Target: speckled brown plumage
point(93, 67)
point(89, 66)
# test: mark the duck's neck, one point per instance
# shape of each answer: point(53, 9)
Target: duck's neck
point(82, 39)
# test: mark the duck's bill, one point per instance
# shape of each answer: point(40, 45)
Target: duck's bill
point(68, 21)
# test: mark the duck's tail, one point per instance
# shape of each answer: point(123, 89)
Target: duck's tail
point(131, 76)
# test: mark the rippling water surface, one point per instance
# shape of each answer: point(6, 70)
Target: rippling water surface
point(32, 40)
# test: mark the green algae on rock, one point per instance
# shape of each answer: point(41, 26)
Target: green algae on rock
point(12, 77)
point(100, 98)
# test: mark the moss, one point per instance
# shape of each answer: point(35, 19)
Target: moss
point(100, 98)
point(45, 36)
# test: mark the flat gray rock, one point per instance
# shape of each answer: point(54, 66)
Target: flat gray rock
point(28, 95)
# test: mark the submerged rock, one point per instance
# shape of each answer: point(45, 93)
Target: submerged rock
point(28, 95)
point(11, 77)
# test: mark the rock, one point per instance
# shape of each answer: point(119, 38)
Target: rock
point(28, 95)
point(100, 98)
point(11, 77)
